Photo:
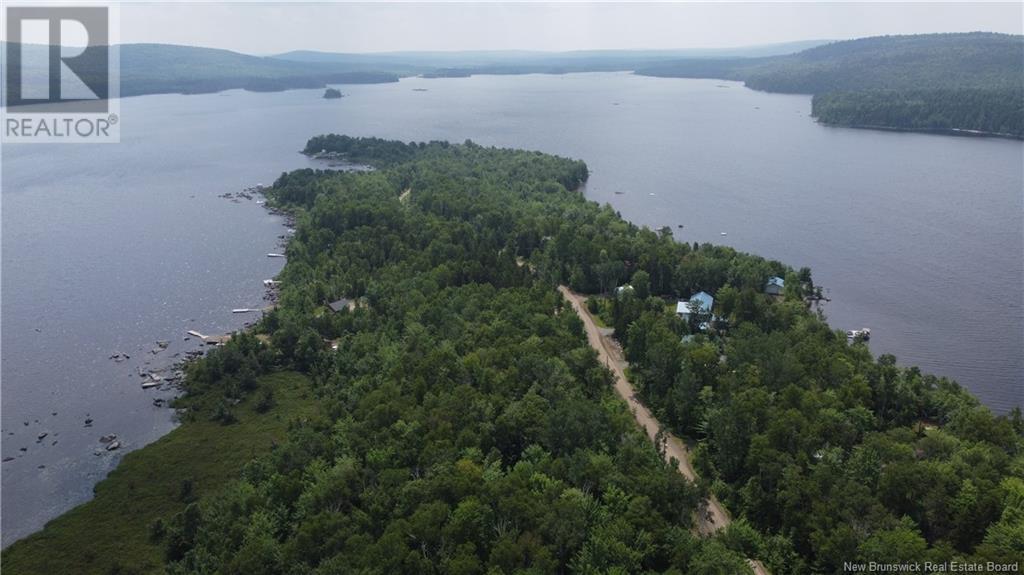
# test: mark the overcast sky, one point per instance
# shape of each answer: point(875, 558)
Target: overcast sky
point(266, 28)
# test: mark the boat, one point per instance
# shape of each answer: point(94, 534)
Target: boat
point(724, 233)
point(273, 255)
point(242, 310)
point(863, 333)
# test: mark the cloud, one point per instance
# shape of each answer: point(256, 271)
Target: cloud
point(266, 28)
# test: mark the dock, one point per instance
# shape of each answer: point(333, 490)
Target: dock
point(210, 339)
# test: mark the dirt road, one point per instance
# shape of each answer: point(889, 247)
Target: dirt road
point(709, 520)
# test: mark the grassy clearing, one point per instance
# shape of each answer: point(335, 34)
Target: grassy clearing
point(110, 533)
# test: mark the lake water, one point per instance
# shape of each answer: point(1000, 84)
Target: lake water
point(110, 248)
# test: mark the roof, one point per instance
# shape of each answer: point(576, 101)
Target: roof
point(706, 300)
point(702, 299)
point(338, 305)
point(776, 281)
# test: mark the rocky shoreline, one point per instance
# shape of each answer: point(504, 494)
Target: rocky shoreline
point(158, 368)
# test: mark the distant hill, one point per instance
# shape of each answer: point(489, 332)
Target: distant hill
point(152, 68)
point(954, 83)
point(165, 68)
point(466, 63)
point(932, 82)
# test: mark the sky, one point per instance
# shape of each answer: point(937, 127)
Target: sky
point(274, 27)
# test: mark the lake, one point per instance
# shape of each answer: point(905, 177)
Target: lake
point(109, 249)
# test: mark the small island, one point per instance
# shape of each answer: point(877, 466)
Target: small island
point(333, 94)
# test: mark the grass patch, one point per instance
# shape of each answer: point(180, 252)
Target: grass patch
point(600, 309)
point(110, 533)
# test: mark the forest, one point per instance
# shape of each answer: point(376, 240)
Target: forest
point(464, 424)
point(972, 81)
point(999, 112)
point(472, 430)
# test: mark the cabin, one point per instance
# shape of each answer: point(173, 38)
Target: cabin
point(700, 301)
point(775, 286)
point(337, 306)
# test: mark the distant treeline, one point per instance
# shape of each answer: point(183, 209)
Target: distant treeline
point(990, 111)
point(165, 69)
point(927, 82)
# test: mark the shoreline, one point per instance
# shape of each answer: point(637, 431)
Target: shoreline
point(958, 132)
point(151, 369)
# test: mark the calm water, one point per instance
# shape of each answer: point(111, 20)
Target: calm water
point(110, 248)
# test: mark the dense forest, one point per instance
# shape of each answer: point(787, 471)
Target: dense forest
point(971, 81)
point(990, 111)
point(472, 430)
point(466, 426)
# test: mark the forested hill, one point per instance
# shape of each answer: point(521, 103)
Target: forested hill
point(159, 68)
point(467, 426)
point(943, 82)
point(166, 68)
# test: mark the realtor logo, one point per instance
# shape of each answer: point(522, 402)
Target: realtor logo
point(60, 83)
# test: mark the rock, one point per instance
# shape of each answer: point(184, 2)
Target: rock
point(6, 459)
point(88, 422)
point(113, 445)
point(108, 438)
point(22, 449)
point(41, 467)
point(41, 436)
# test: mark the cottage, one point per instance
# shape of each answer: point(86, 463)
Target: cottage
point(775, 286)
point(339, 305)
point(700, 301)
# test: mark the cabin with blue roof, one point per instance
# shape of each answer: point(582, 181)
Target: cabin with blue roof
point(700, 301)
point(775, 286)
